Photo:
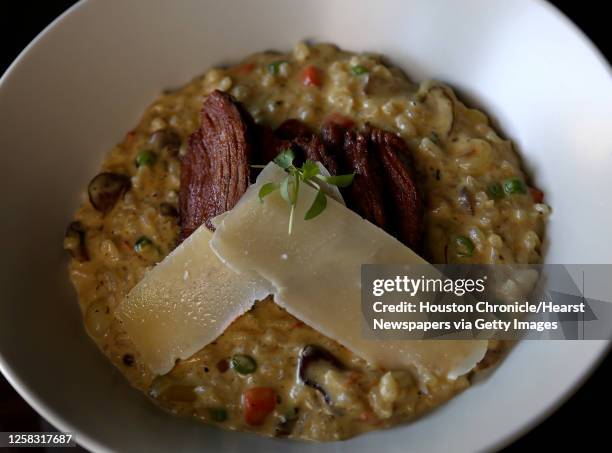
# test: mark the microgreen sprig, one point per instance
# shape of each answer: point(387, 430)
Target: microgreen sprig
point(310, 174)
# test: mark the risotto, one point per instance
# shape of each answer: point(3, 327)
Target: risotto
point(479, 207)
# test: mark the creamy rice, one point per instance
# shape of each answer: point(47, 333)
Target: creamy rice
point(479, 209)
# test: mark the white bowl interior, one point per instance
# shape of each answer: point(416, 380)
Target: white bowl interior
point(79, 87)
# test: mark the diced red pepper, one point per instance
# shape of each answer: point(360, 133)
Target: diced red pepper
point(245, 68)
point(257, 403)
point(340, 120)
point(297, 324)
point(536, 194)
point(311, 76)
point(130, 136)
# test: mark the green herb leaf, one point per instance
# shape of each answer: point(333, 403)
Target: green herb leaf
point(339, 180)
point(146, 157)
point(309, 170)
point(218, 414)
point(267, 189)
point(243, 364)
point(514, 186)
point(274, 67)
point(284, 189)
point(359, 70)
point(464, 246)
point(495, 191)
point(141, 243)
point(296, 188)
point(290, 186)
point(285, 159)
point(294, 196)
point(317, 207)
point(291, 216)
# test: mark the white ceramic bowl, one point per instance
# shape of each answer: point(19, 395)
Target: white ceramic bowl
point(83, 83)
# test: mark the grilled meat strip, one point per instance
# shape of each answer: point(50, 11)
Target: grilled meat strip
point(377, 156)
point(404, 206)
point(365, 195)
point(269, 145)
point(215, 169)
point(295, 135)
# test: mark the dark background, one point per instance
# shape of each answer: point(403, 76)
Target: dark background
point(582, 422)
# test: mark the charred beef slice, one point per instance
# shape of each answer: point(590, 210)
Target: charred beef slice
point(384, 190)
point(333, 135)
point(292, 129)
point(268, 145)
point(295, 135)
point(314, 149)
point(403, 202)
point(365, 195)
point(215, 169)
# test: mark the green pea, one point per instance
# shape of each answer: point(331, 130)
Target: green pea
point(359, 70)
point(146, 157)
point(218, 414)
point(243, 364)
point(274, 67)
point(495, 191)
point(464, 246)
point(142, 243)
point(514, 186)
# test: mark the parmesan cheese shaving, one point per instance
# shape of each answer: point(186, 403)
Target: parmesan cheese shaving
point(192, 296)
point(186, 302)
point(315, 274)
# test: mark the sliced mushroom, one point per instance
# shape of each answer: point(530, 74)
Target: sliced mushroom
point(74, 241)
point(167, 389)
point(440, 107)
point(106, 188)
point(312, 355)
point(382, 86)
point(166, 139)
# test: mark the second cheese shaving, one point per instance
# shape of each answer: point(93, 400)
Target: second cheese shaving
point(315, 274)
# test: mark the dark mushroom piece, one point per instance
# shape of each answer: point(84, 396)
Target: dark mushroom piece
point(168, 210)
point(105, 190)
point(465, 200)
point(74, 241)
point(128, 359)
point(311, 355)
point(166, 139)
point(287, 423)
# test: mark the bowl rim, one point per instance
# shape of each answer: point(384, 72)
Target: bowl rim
point(58, 421)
